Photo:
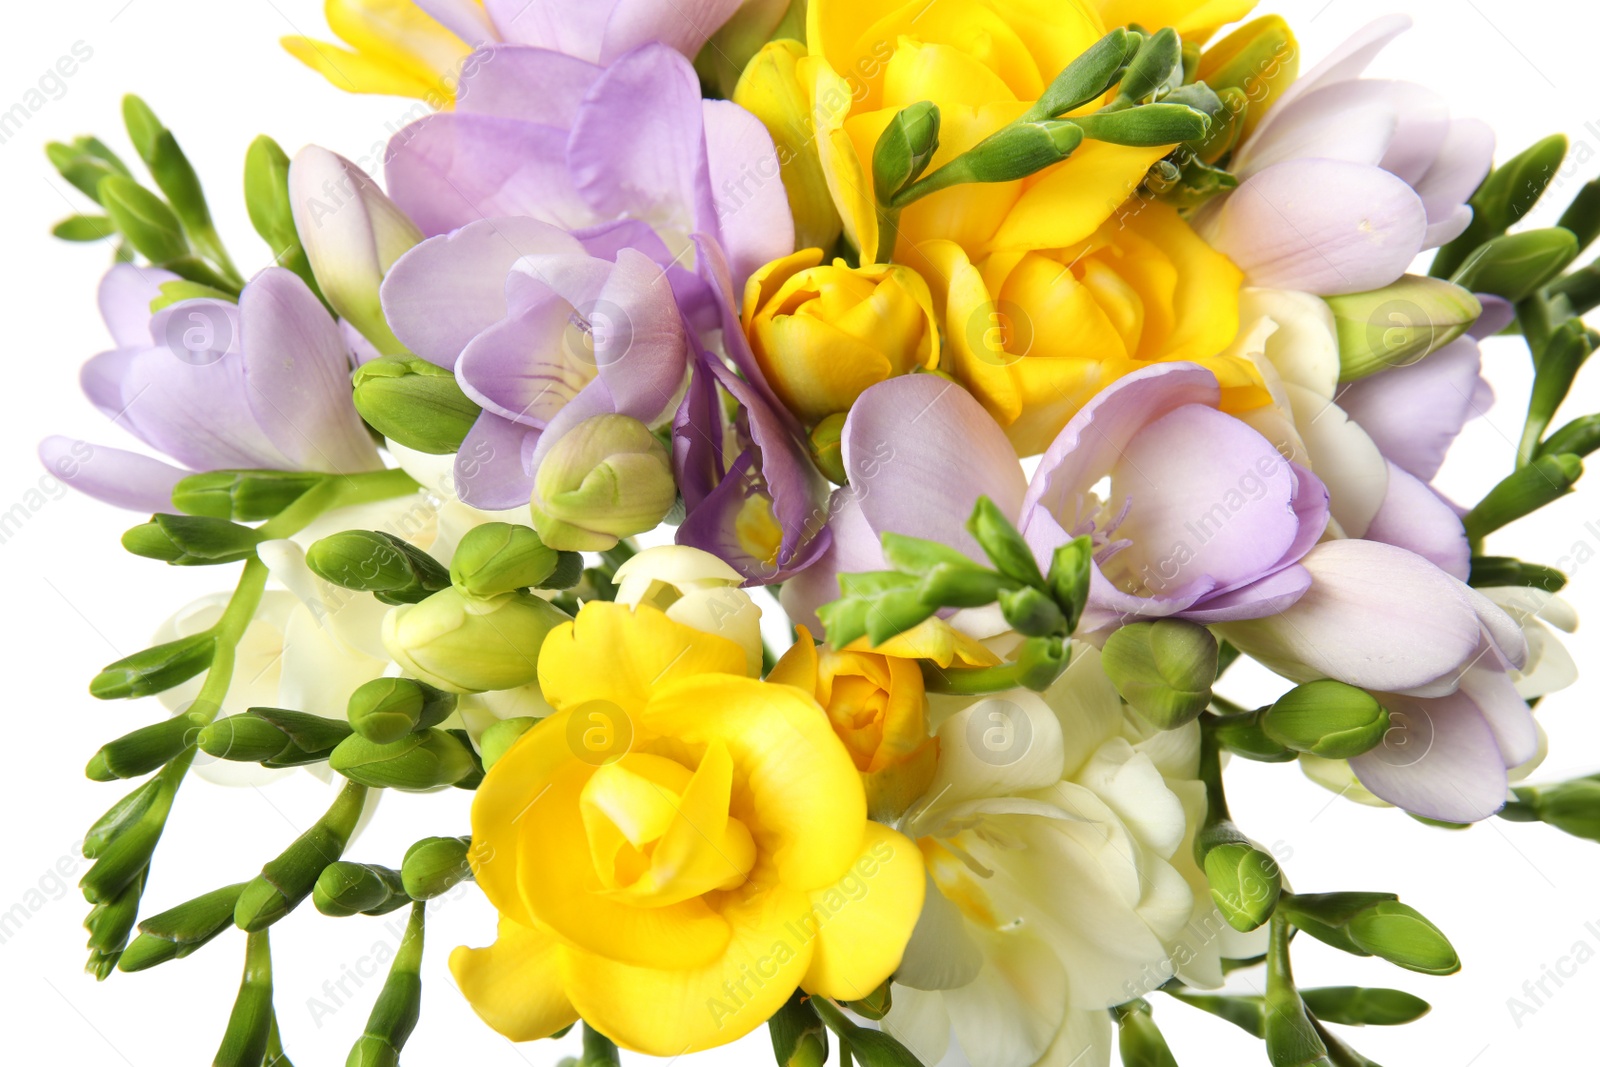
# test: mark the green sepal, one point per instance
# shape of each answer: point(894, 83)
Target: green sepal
point(1504, 198)
point(1544, 481)
point(1504, 570)
point(176, 932)
point(143, 750)
point(798, 1036)
point(287, 879)
point(144, 219)
point(242, 495)
point(1003, 545)
point(192, 540)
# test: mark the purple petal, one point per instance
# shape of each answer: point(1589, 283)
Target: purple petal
point(1458, 168)
point(560, 25)
point(638, 146)
point(125, 295)
point(1498, 313)
point(464, 18)
point(444, 292)
point(1376, 616)
point(1415, 518)
point(528, 84)
point(490, 474)
point(1345, 62)
point(855, 548)
point(448, 170)
point(698, 431)
point(1321, 226)
point(102, 378)
point(1323, 125)
point(1271, 595)
point(122, 479)
point(752, 210)
point(642, 352)
point(1415, 412)
point(920, 451)
point(1438, 760)
point(298, 373)
point(1508, 715)
point(681, 24)
point(525, 367)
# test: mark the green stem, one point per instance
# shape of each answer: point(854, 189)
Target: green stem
point(1291, 1039)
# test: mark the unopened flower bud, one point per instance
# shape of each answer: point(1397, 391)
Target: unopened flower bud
point(1524, 491)
point(244, 739)
point(144, 219)
point(499, 557)
point(1017, 151)
point(1089, 76)
point(1572, 807)
point(608, 478)
point(1399, 934)
point(414, 402)
point(696, 589)
point(468, 645)
point(905, 149)
point(827, 448)
point(500, 736)
point(288, 879)
point(352, 235)
point(176, 932)
point(434, 865)
point(1031, 612)
point(371, 561)
point(345, 888)
point(1147, 126)
point(1005, 547)
point(243, 496)
point(1245, 883)
point(427, 759)
point(385, 710)
point(799, 1038)
point(1158, 64)
point(1258, 60)
point(191, 540)
point(142, 751)
point(399, 1003)
point(1163, 669)
point(1399, 324)
point(1328, 719)
point(1514, 266)
point(1358, 1006)
point(1068, 580)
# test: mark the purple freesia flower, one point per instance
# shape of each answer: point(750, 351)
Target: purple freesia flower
point(262, 384)
point(595, 30)
point(1347, 179)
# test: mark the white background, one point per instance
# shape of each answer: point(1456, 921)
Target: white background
point(1514, 898)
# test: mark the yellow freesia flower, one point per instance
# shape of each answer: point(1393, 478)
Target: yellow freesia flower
point(395, 49)
point(677, 849)
point(1196, 20)
point(824, 334)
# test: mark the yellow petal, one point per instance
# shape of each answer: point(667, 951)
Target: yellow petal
point(515, 984)
point(398, 34)
point(1195, 20)
point(862, 923)
point(936, 640)
point(772, 90)
point(1068, 202)
point(668, 1012)
point(975, 329)
point(798, 666)
point(615, 653)
point(766, 282)
point(848, 181)
point(507, 798)
point(355, 73)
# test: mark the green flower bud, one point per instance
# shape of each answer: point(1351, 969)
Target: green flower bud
point(827, 449)
point(1517, 265)
point(1088, 77)
point(1580, 437)
point(500, 736)
point(498, 557)
point(393, 570)
point(122, 841)
point(287, 880)
point(1545, 480)
point(1582, 216)
point(414, 402)
point(1328, 719)
point(1031, 613)
point(798, 1036)
point(109, 924)
point(1039, 662)
point(1068, 580)
point(1139, 1040)
point(175, 933)
point(1325, 915)
point(435, 865)
point(312, 738)
point(1572, 807)
point(1559, 360)
point(1399, 934)
point(244, 1043)
point(1490, 571)
point(1245, 883)
point(568, 572)
point(345, 888)
point(122, 816)
point(1002, 543)
point(138, 753)
point(385, 710)
point(144, 219)
point(469, 645)
point(83, 228)
point(875, 1005)
point(1355, 1006)
point(428, 759)
point(961, 585)
point(1242, 735)
point(399, 1004)
point(244, 739)
point(608, 478)
point(244, 496)
point(913, 555)
point(1016, 151)
point(352, 234)
point(1163, 669)
point(1147, 126)
point(85, 163)
point(191, 540)
point(1157, 65)
point(266, 197)
point(1505, 196)
point(1399, 324)
point(173, 174)
point(904, 150)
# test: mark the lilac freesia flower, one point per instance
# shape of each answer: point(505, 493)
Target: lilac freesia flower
point(1347, 179)
point(262, 384)
point(594, 30)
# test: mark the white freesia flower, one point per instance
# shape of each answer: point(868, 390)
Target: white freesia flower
point(1058, 835)
point(696, 589)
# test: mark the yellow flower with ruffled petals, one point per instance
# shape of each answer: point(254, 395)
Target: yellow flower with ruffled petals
point(677, 849)
point(395, 49)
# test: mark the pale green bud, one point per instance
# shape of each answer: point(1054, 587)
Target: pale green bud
point(1328, 719)
point(606, 479)
point(465, 644)
point(191, 540)
point(500, 736)
point(144, 219)
point(1088, 76)
point(499, 557)
point(827, 448)
point(1398, 933)
point(1399, 324)
point(385, 710)
point(346, 888)
point(1516, 265)
point(905, 148)
point(244, 496)
point(418, 762)
point(1163, 669)
point(434, 865)
point(414, 402)
point(1245, 883)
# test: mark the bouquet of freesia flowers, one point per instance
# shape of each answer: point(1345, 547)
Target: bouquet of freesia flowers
point(1045, 357)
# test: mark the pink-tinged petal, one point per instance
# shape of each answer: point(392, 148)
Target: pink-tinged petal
point(1438, 760)
point(1452, 224)
point(1271, 595)
point(640, 346)
point(752, 210)
point(920, 451)
point(1321, 226)
point(125, 295)
point(1458, 168)
point(1345, 62)
point(1508, 715)
point(1424, 124)
point(1498, 313)
point(638, 146)
point(448, 170)
point(1376, 616)
point(101, 379)
point(298, 375)
point(121, 479)
point(527, 366)
point(1415, 518)
point(698, 433)
point(559, 25)
point(854, 549)
point(1414, 413)
point(445, 291)
point(490, 473)
point(1323, 125)
point(682, 24)
point(464, 18)
point(528, 84)
point(1502, 633)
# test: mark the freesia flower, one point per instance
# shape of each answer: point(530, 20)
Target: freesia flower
point(1346, 179)
point(213, 385)
point(1057, 833)
point(677, 849)
point(696, 589)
